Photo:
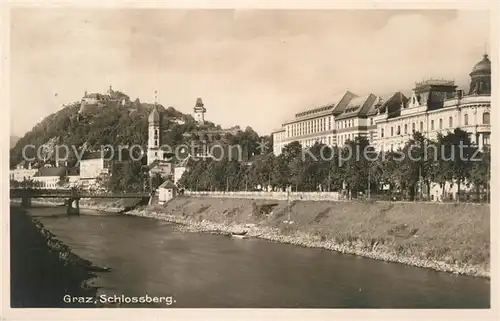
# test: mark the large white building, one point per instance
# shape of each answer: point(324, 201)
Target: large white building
point(92, 165)
point(388, 121)
point(312, 125)
point(20, 173)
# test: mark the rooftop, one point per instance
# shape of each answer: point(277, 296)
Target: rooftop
point(435, 82)
point(167, 184)
point(332, 102)
point(51, 171)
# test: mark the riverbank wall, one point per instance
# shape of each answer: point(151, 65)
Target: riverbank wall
point(445, 237)
point(43, 269)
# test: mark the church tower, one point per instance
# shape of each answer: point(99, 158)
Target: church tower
point(199, 111)
point(154, 139)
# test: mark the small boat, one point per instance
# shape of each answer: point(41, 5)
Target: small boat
point(239, 236)
point(94, 268)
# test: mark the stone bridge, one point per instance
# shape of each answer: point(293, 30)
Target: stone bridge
point(72, 196)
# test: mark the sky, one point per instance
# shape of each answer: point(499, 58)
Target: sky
point(251, 67)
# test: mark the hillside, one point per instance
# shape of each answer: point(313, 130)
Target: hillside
point(110, 123)
point(14, 140)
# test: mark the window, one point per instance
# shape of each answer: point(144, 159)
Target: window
point(421, 126)
point(486, 118)
point(392, 131)
point(450, 122)
point(440, 123)
point(486, 139)
point(413, 127)
point(432, 124)
point(406, 129)
point(399, 131)
point(371, 121)
point(466, 119)
point(382, 132)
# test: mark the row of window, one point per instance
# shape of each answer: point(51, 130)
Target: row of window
point(323, 124)
point(323, 140)
point(309, 127)
point(486, 121)
point(485, 140)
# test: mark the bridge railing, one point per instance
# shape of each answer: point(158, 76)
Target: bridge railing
point(18, 192)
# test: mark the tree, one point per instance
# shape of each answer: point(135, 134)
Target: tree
point(356, 155)
point(417, 166)
point(63, 181)
point(280, 176)
point(481, 171)
point(126, 176)
point(454, 161)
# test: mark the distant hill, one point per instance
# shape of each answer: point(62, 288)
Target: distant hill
point(107, 124)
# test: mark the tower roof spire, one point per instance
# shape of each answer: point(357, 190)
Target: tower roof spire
point(154, 116)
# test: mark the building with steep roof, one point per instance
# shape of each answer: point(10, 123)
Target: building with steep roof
point(313, 124)
point(166, 192)
point(354, 120)
point(388, 121)
point(437, 107)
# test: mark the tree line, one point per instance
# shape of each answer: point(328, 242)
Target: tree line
point(354, 169)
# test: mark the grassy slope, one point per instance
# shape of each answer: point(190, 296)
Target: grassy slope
point(452, 233)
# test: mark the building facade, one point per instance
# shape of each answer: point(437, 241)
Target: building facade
point(92, 165)
point(437, 107)
point(312, 125)
point(388, 121)
point(22, 173)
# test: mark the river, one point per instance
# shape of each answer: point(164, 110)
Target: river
point(149, 257)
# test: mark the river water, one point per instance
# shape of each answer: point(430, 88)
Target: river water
point(149, 257)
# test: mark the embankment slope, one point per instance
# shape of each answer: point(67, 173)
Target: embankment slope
point(43, 269)
point(448, 237)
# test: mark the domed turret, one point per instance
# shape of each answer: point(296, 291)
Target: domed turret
point(484, 66)
point(480, 76)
